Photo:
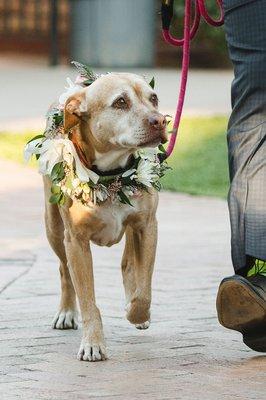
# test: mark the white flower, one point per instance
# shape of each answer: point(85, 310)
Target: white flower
point(66, 190)
point(149, 153)
point(86, 189)
point(71, 89)
point(86, 197)
point(127, 190)
point(33, 147)
point(75, 183)
point(145, 173)
point(53, 151)
point(78, 191)
point(80, 80)
point(128, 172)
point(101, 193)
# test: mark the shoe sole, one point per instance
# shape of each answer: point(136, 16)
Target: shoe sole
point(240, 308)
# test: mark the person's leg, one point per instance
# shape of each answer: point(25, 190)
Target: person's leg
point(241, 302)
point(245, 25)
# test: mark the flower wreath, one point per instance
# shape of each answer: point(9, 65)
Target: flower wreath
point(58, 158)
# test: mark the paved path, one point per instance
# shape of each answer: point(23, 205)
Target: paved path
point(184, 355)
point(30, 87)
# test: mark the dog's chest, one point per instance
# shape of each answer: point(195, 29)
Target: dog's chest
point(111, 222)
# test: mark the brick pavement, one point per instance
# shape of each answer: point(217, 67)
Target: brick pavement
point(184, 355)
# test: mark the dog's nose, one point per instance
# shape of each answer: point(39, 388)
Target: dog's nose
point(157, 121)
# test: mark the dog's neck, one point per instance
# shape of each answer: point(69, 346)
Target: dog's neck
point(112, 160)
point(94, 154)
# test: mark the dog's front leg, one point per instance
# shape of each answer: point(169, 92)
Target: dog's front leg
point(92, 346)
point(139, 254)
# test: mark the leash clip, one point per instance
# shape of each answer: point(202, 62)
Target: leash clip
point(167, 12)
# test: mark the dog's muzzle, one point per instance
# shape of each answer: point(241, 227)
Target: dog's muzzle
point(157, 126)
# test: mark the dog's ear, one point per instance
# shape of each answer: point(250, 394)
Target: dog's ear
point(74, 107)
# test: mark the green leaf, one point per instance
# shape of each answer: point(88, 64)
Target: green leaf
point(58, 172)
point(58, 118)
point(55, 198)
point(35, 137)
point(88, 82)
point(157, 185)
point(123, 198)
point(152, 83)
point(58, 196)
point(161, 148)
point(55, 170)
point(55, 189)
point(62, 199)
point(127, 180)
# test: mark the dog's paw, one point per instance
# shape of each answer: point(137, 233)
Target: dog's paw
point(145, 325)
point(65, 319)
point(138, 312)
point(92, 352)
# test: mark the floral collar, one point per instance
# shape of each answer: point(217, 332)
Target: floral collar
point(58, 158)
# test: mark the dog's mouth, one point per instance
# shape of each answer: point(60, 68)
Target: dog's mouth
point(154, 140)
point(151, 143)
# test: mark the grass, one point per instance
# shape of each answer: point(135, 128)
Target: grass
point(12, 144)
point(199, 162)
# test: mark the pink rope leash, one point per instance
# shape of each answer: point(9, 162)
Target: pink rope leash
point(200, 11)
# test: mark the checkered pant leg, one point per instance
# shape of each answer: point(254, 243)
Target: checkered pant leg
point(245, 26)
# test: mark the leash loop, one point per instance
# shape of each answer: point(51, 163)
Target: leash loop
point(204, 13)
point(167, 15)
point(167, 12)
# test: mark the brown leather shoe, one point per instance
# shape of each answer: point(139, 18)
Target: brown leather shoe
point(241, 306)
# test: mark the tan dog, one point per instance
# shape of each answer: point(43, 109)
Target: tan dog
point(110, 119)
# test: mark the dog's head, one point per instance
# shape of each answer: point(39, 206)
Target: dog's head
point(120, 110)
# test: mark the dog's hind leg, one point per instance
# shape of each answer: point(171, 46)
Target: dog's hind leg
point(66, 317)
point(137, 269)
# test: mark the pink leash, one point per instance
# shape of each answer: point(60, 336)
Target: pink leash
point(189, 33)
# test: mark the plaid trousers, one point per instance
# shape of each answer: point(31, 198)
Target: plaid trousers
point(245, 27)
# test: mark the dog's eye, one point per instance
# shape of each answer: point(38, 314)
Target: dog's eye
point(154, 99)
point(120, 103)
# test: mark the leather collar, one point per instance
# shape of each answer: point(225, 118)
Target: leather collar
point(115, 171)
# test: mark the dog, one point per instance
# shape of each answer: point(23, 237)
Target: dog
point(112, 118)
